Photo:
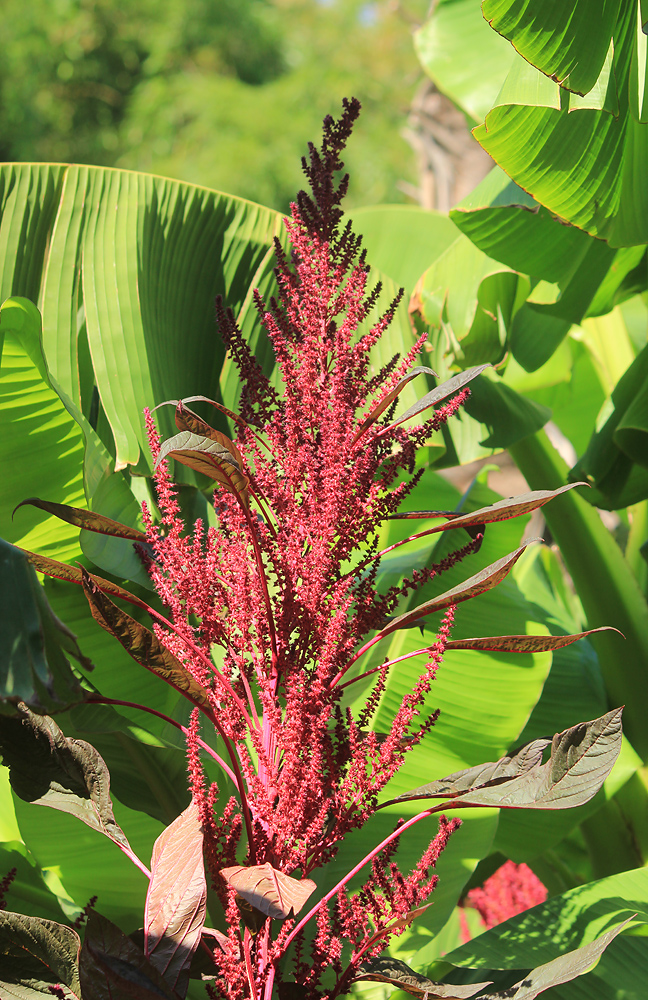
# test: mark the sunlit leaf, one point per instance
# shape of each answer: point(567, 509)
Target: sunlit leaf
point(72, 574)
point(176, 901)
point(523, 643)
point(481, 582)
point(581, 759)
point(437, 395)
point(270, 891)
point(214, 456)
point(85, 519)
point(380, 407)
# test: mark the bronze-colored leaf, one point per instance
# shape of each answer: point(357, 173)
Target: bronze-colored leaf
point(86, 519)
point(481, 582)
point(580, 761)
point(71, 574)
point(205, 399)
point(437, 395)
point(142, 644)
point(270, 891)
point(380, 407)
point(397, 973)
point(524, 643)
point(500, 511)
point(187, 420)
point(176, 902)
point(213, 458)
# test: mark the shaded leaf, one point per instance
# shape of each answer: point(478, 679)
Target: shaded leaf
point(380, 407)
point(61, 571)
point(33, 642)
point(397, 973)
point(85, 519)
point(187, 420)
point(35, 954)
point(112, 967)
point(481, 582)
point(176, 901)
point(441, 392)
point(48, 769)
point(500, 511)
point(581, 759)
point(561, 970)
point(213, 456)
point(142, 644)
point(524, 643)
point(270, 891)
point(204, 399)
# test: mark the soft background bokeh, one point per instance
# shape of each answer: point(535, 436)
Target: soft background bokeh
point(222, 93)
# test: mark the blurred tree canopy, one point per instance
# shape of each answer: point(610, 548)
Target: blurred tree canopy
point(216, 92)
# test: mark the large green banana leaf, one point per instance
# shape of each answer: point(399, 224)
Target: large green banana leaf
point(578, 146)
point(564, 922)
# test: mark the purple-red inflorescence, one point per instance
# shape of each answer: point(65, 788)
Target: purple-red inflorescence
point(269, 611)
point(512, 889)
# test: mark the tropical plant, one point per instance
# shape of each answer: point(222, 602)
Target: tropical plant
point(267, 624)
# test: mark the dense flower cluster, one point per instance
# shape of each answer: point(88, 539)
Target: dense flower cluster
point(273, 610)
point(512, 889)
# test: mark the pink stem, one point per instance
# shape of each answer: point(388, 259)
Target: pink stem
point(100, 700)
point(133, 857)
point(354, 871)
point(248, 963)
point(386, 663)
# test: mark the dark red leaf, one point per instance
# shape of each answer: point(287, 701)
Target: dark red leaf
point(215, 457)
point(270, 891)
point(86, 519)
point(481, 582)
point(437, 395)
point(524, 643)
point(176, 901)
point(142, 644)
point(71, 574)
point(380, 407)
point(35, 954)
point(112, 967)
point(500, 511)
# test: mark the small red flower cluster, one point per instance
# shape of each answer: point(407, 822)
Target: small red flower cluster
point(512, 889)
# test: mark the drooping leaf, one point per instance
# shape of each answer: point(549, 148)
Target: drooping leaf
point(523, 643)
point(33, 642)
point(71, 574)
point(454, 384)
point(187, 420)
point(397, 973)
point(213, 456)
point(176, 901)
point(142, 644)
point(581, 759)
point(48, 769)
point(380, 407)
point(561, 970)
point(481, 582)
point(112, 967)
point(204, 399)
point(270, 891)
point(36, 954)
point(86, 519)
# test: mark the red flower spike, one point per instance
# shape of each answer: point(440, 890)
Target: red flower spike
point(269, 599)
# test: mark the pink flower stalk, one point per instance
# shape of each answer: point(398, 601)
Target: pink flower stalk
point(512, 889)
point(272, 616)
